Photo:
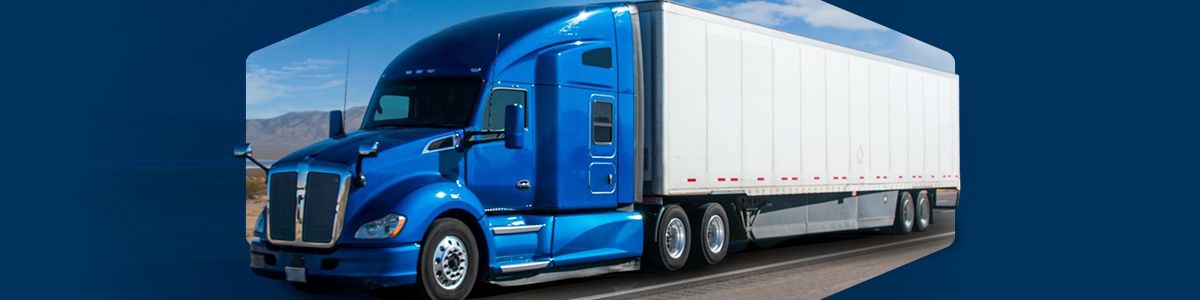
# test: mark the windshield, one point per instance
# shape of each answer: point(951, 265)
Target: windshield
point(436, 102)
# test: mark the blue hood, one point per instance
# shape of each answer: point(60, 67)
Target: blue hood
point(344, 150)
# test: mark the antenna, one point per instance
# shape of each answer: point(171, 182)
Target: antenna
point(346, 83)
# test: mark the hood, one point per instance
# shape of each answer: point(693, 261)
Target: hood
point(344, 150)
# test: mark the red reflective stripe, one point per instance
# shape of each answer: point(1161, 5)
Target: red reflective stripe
point(691, 180)
point(795, 178)
point(733, 179)
point(761, 179)
point(876, 177)
point(816, 177)
point(862, 177)
point(720, 178)
point(783, 178)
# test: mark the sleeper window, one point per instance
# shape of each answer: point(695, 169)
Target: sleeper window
point(602, 122)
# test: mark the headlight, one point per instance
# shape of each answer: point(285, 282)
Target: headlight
point(387, 227)
point(260, 226)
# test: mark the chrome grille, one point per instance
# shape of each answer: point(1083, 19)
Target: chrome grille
point(306, 204)
point(282, 204)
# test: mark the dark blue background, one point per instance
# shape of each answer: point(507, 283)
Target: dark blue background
point(1078, 135)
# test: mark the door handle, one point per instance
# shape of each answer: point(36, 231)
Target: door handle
point(523, 184)
point(610, 178)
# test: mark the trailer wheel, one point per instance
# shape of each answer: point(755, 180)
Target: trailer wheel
point(904, 215)
point(923, 212)
point(712, 233)
point(449, 260)
point(670, 251)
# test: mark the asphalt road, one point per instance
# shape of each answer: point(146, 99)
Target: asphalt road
point(803, 268)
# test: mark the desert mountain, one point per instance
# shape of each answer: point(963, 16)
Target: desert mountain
point(275, 137)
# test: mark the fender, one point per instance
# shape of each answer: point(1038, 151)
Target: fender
point(421, 199)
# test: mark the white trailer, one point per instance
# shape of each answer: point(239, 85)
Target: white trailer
point(794, 134)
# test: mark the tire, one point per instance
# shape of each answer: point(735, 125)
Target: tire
point(669, 251)
point(904, 215)
point(711, 232)
point(449, 261)
point(923, 212)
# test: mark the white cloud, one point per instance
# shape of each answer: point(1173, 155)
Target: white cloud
point(312, 64)
point(265, 84)
point(377, 7)
point(813, 12)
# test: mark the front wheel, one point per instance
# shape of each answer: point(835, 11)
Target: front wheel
point(671, 246)
point(449, 260)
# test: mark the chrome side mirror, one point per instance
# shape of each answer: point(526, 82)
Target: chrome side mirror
point(245, 151)
point(242, 150)
point(364, 150)
point(368, 149)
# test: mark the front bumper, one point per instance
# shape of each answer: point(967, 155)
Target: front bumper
point(369, 267)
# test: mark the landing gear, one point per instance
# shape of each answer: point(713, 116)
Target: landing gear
point(670, 250)
point(450, 262)
point(712, 233)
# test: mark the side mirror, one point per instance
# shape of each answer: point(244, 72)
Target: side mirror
point(244, 151)
point(364, 150)
point(336, 128)
point(514, 126)
point(368, 149)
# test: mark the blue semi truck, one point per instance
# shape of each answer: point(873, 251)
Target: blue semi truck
point(563, 142)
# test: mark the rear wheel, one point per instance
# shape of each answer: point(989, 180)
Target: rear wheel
point(905, 214)
point(712, 233)
point(923, 212)
point(670, 250)
point(449, 260)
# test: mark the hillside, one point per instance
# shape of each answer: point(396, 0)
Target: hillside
point(275, 137)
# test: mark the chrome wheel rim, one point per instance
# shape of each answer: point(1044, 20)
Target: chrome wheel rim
point(923, 220)
point(450, 262)
point(714, 231)
point(908, 212)
point(675, 238)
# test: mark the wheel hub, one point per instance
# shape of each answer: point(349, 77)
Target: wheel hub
point(450, 262)
point(908, 213)
point(714, 232)
point(675, 238)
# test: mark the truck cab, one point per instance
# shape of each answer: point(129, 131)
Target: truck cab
point(499, 149)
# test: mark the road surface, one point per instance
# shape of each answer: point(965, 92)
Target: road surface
point(804, 268)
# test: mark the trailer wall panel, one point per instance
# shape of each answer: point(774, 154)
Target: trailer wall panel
point(749, 109)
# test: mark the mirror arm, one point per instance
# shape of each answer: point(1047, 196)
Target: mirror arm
point(468, 135)
point(260, 165)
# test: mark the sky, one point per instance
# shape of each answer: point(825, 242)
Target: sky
point(309, 71)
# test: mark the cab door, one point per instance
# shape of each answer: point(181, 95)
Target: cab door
point(502, 178)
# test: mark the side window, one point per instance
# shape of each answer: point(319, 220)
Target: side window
point(602, 123)
point(600, 58)
point(493, 118)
